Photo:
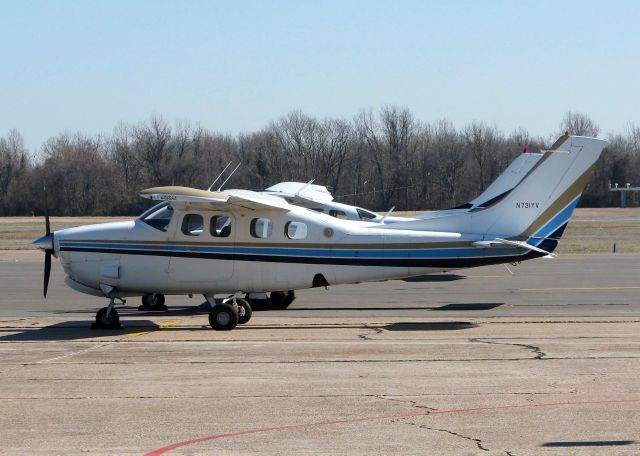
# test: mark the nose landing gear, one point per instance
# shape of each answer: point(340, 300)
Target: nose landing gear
point(282, 299)
point(107, 317)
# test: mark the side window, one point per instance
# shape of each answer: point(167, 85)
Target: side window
point(220, 226)
point(261, 228)
point(192, 224)
point(295, 230)
point(338, 214)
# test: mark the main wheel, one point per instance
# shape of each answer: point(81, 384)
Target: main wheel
point(223, 317)
point(244, 311)
point(153, 302)
point(257, 304)
point(282, 300)
point(107, 322)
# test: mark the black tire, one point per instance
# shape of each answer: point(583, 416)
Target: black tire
point(257, 304)
point(153, 302)
point(282, 300)
point(244, 311)
point(223, 317)
point(104, 322)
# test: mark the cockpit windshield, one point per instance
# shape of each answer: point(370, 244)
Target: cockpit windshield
point(158, 216)
point(366, 215)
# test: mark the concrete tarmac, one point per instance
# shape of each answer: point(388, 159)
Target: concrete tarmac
point(471, 362)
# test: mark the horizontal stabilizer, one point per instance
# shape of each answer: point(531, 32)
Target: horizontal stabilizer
point(499, 242)
point(302, 194)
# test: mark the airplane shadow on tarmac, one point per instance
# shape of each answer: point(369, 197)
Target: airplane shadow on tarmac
point(473, 306)
point(435, 278)
point(73, 330)
point(430, 326)
point(588, 443)
point(78, 330)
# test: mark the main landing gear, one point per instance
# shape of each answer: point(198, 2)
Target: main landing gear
point(153, 302)
point(282, 299)
point(230, 312)
point(277, 300)
point(107, 317)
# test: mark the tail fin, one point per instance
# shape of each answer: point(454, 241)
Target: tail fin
point(506, 181)
point(539, 206)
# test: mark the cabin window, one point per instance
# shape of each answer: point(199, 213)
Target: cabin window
point(220, 226)
point(158, 217)
point(338, 214)
point(261, 228)
point(366, 215)
point(192, 224)
point(295, 230)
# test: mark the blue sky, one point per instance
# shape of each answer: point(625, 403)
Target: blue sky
point(236, 66)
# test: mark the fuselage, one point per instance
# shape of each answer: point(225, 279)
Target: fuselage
point(205, 251)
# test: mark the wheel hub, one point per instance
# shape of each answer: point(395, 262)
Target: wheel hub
point(223, 318)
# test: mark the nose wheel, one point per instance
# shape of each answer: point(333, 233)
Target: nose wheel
point(107, 318)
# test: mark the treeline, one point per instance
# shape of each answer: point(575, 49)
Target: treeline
point(375, 160)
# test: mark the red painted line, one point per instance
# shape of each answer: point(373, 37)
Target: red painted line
point(173, 446)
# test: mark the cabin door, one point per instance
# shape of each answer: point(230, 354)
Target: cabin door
point(204, 248)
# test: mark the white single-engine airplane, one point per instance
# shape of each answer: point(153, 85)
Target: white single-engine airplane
point(203, 242)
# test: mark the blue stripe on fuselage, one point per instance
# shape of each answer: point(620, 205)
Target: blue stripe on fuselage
point(467, 252)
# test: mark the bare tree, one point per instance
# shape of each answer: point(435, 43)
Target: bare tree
point(482, 143)
point(390, 143)
point(377, 160)
point(15, 169)
point(579, 124)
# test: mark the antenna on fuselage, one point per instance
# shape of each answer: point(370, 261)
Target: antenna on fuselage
point(219, 175)
point(386, 215)
point(232, 172)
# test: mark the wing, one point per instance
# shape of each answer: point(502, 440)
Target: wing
point(212, 200)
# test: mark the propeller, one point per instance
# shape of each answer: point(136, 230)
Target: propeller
point(46, 243)
point(47, 270)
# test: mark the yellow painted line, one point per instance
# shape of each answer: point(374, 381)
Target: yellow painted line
point(160, 326)
point(580, 289)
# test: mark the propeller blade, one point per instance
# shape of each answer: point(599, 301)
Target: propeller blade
point(47, 270)
point(47, 225)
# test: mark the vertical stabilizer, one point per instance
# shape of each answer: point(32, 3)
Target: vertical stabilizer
point(539, 206)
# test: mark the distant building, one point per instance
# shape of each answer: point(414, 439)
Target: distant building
point(628, 189)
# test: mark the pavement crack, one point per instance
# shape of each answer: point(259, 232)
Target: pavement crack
point(539, 354)
point(413, 403)
point(477, 442)
point(367, 335)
